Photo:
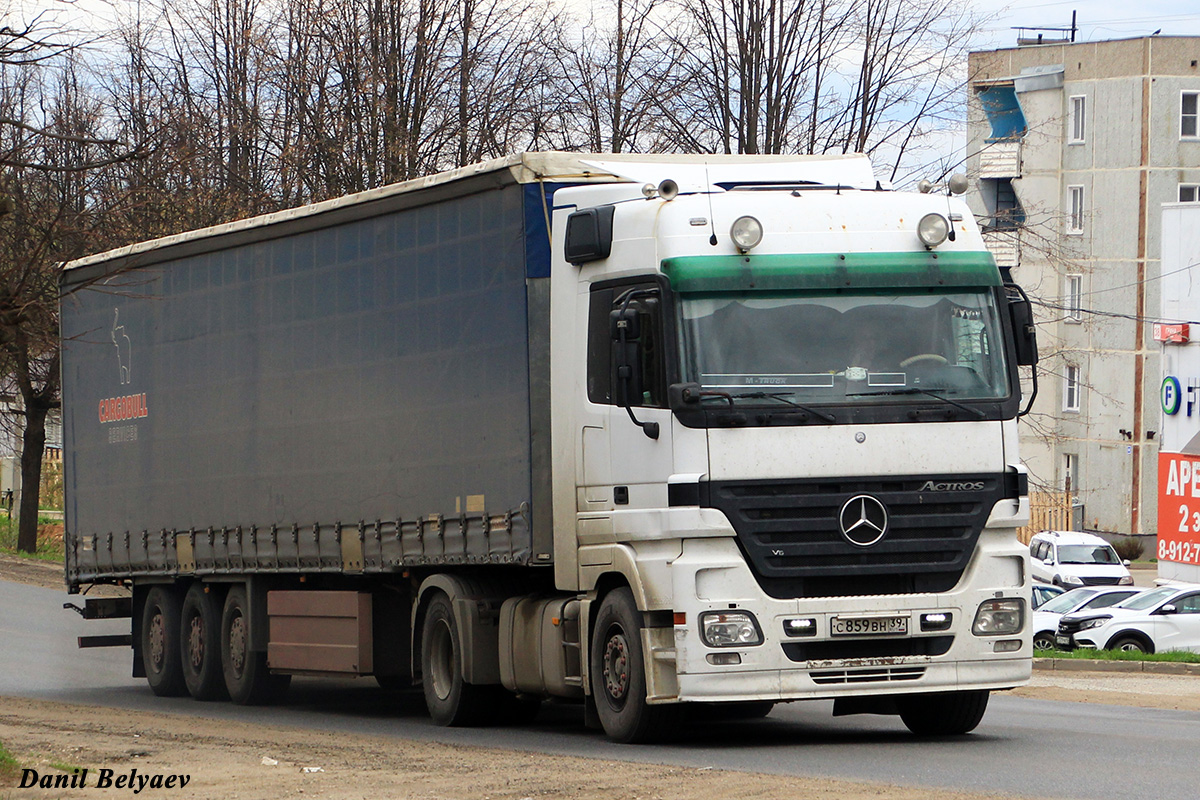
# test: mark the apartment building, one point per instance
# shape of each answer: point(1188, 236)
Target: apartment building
point(1074, 148)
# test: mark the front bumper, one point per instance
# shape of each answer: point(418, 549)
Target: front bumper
point(711, 576)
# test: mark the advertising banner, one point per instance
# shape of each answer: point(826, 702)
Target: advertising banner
point(1179, 508)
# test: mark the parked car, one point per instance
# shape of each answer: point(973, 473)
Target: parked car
point(1069, 559)
point(1043, 592)
point(1088, 598)
point(1166, 618)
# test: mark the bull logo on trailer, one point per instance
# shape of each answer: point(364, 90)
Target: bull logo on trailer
point(124, 346)
point(130, 406)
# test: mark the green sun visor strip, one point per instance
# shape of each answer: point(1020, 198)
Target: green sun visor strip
point(831, 271)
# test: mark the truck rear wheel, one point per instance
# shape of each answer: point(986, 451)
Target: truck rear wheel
point(451, 700)
point(160, 642)
point(618, 674)
point(247, 678)
point(200, 632)
point(943, 713)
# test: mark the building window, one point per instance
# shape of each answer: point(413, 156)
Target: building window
point(1189, 193)
point(1075, 221)
point(1069, 462)
point(1077, 122)
point(1074, 298)
point(1071, 388)
point(1189, 115)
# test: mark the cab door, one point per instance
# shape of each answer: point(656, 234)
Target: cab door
point(1180, 629)
point(626, 436)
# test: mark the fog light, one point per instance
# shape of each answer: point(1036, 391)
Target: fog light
point(936, 621)
point(724, 659)
point(999, 617)
point(800, 627)
point(730, 629)
point(1006, 646)
point(933, 229)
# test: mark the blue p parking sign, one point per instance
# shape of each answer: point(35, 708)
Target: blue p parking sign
point(1170, 394)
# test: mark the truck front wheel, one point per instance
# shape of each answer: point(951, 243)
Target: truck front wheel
point(943, 713)
point(160, 642)
point(247, 678)
point(201, 638)
point(618, 674)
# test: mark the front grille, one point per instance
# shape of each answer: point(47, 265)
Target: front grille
point(827, 677)
point(835, 649)
point(789, 532)
point(1100, 581)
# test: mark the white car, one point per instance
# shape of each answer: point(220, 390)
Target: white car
point(1089, 598)
point(1157, 620)
point(1070, 559)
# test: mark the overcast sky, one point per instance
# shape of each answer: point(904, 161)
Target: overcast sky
point(1096, 20)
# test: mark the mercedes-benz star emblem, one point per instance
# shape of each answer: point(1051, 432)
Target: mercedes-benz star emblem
point(863, 520)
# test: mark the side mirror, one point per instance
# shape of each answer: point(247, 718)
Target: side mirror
point(1169, 608)
point(1126, 563)
point(626, 330)
point(589, 235)
point(1024, 331)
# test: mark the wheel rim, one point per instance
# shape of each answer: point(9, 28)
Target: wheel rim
point(195, 642)
point(1043, 643)
point(441, 660)
point(237, 644)
point(157, 639)
point(616, 667)
point(1130, 647)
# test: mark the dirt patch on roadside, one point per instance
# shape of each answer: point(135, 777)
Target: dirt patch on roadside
point(227, 760)
point(1171, 692)
point(46, 574)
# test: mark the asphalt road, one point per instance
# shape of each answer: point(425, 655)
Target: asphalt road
point(1025, 747)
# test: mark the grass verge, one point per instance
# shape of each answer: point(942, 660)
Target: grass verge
point(50, 539)
point(8, 764)
point(1119, 655)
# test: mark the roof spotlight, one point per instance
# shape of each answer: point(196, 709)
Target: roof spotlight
point(746, 233)
point(932, 230)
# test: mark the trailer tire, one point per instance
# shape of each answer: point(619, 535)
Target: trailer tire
point(618, 674)
point(200, 644)
point(249, 681)
point(160, 642)
point(943, 713)
point(452, 702)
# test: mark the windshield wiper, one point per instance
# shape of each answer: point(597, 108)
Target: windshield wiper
point(927, 392)
point(782, 397)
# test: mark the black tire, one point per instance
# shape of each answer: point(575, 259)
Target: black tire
point(200, 644)
point(943, 713)
point(1129, 644)
point(452, 702)
point(1044, 640)
point(618, 674)
point(160, 642)
point(247, 678)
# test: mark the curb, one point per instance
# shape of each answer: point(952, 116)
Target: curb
point(1097, 665)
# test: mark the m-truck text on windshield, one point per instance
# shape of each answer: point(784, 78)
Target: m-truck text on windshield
point(647, 433)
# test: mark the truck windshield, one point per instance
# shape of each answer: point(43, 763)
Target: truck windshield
point(857, 349)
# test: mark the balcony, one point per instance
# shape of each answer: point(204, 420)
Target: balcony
point(1000, 159)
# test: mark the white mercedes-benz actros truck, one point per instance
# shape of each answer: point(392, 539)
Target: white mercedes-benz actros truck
point(653, 434)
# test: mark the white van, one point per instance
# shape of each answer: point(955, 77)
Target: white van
point(1068, 559)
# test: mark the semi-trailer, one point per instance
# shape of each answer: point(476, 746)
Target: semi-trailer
point(647, 433)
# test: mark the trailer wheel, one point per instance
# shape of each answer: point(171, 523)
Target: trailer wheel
point(160, 642)
point(247, 678)
point(200, 635)
point(450, 699)
point(618, 674)
point(943, 713)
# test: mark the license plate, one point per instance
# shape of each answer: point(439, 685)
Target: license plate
point(869, 626)
point(1065, 641)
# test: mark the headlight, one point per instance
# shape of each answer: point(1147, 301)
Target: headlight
point(999, 617)
point(1072, 579)
point(730, 629)
point(933, 229)
point(1088, 624)
point(1126, 581)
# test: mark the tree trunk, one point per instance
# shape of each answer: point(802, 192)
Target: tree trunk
point(33, 447)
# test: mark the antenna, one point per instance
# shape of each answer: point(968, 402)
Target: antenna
point(712, 223)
